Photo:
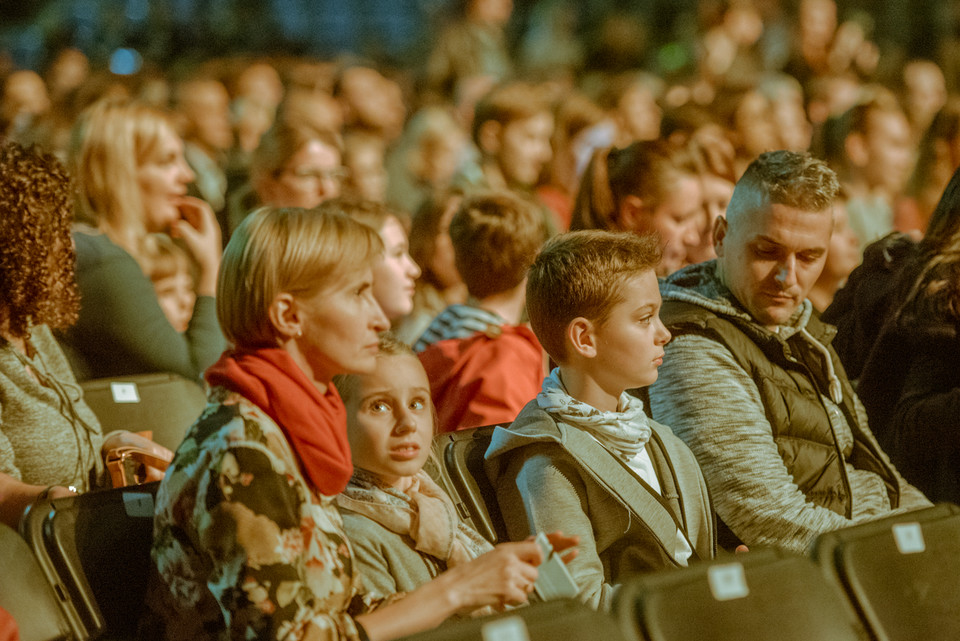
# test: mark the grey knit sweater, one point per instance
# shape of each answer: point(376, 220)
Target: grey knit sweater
point(48, 435)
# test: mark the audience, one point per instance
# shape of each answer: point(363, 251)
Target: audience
point(582, 455)
point(750, 382)
point(645, 125)
point(262, 551)
point(483, 364)
point(131, 181)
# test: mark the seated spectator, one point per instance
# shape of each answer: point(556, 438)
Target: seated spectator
point(403, 527)
point(171, 273)
point(910, 383)
point(644, 188)
point(50, 441)
point(750, 381)
point(512, 127)
point(879, 154)
point(440, 284)
point(363, 160)
point(131, 180)
point(843, 256)
point(293, 166)
point(594, 304)
point(395, 276)
point(248, 542)
point(483, 365)
point(203, 107)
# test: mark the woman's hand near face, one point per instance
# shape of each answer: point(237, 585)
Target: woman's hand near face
point(200, 232)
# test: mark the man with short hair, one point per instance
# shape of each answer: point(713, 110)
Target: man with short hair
point(750, 381)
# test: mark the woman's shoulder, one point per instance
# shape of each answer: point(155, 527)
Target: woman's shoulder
point(93, 247)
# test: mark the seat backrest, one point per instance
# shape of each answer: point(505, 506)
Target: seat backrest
point(462, 456)
point(546, 621)
point(25, 592)
point(95, 550)
point(761, 595)
point(167, 404)
point(901, 573)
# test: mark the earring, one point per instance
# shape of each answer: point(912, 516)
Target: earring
point(299, 333)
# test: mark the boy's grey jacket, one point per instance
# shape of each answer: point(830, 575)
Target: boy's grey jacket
point(551, 476)
point(784, 461)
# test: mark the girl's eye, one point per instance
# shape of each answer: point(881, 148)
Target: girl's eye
point(646, 320)
point(417, 404)
point(379, 406)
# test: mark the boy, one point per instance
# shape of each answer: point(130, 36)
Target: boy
point(483, 365)
point(583, 453)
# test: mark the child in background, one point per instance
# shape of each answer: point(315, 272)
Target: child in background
point(583, 453)
point(394, 277)
point(172, 276)
point(483, 365)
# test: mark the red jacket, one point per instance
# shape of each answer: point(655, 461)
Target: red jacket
point(483, 380)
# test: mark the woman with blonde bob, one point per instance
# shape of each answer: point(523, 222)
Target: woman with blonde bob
point(131, 181)
point(248, 542)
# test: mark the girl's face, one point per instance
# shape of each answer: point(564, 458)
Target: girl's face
point(395, 276)
point(843, 253)
point(340, 327)
point(177, 298)
point(677, 219)
point(163, 179)
point(390, 420)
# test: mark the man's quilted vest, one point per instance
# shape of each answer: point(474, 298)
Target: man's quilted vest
point(791, 377)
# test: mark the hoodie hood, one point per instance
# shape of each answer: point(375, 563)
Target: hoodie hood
point(702, 285)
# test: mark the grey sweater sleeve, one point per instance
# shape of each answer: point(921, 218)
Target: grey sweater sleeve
point(714, 406)
point(550, 496)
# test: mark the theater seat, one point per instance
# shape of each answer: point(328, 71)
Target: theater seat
point(763, 595)
point(461, 454)
point(559, 620)
point(902, 573)
point(25, 592)
point(94, 549)
point(165, 404)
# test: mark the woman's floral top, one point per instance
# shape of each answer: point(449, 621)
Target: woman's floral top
point(242, 548)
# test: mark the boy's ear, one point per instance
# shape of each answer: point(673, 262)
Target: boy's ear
point(488, 137)
point(581, 338)
point(284, 316)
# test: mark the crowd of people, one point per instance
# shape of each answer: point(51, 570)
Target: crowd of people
point(706, 313)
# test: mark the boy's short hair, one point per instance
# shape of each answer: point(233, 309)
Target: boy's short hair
point(508, 102)
point(581, 274)
point(495, 238)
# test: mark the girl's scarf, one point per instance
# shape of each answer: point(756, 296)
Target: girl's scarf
point(315, 424)
point(624, 432)
point(423, 512)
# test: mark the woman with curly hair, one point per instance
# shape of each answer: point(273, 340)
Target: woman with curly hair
point(50, 440)
point(131, 181)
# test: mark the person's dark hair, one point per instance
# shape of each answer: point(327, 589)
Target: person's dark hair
point(935, 290)
point(37, 283)
point(582, 274)
point(790, 178)
point(495, 236)
point(645, 169)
